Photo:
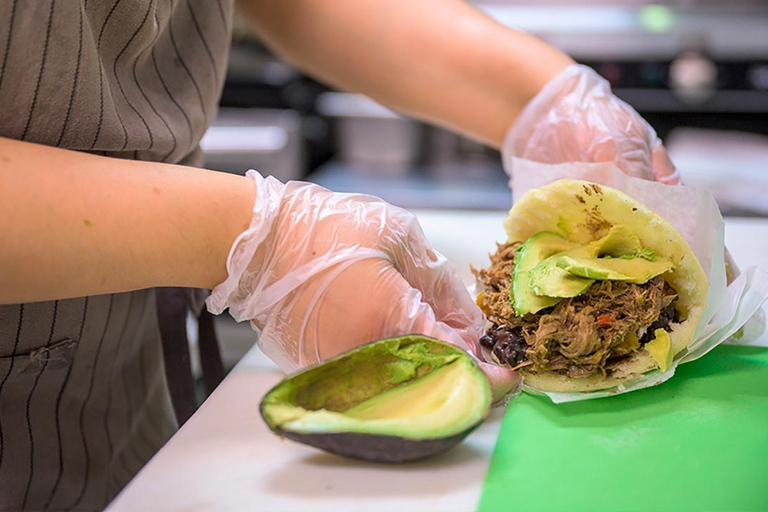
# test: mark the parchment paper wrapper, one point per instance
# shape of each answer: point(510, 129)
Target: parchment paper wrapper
point(696, 216)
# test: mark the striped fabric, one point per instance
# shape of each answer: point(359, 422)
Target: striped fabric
point(83, 395)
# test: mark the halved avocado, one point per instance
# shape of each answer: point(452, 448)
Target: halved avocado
point(393, 400)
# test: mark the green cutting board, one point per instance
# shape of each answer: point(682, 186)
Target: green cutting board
point(697, 442)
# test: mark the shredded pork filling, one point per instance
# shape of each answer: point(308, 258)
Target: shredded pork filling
point(580, 336)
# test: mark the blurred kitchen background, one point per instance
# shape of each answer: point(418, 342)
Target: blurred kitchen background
point(696, 70)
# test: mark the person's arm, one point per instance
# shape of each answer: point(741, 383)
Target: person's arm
point(73, 224)
point(446, 62)
point(443, 61)
point(317, 272)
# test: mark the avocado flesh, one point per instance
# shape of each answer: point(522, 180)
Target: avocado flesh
point(547, 279)
point(551, 278)
point(536, 249)
point(620, 241)
point(393, 400)
point(440, 404)
point(635, 270)
point(660, 349)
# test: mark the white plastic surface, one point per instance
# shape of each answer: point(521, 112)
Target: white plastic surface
point(225, 459)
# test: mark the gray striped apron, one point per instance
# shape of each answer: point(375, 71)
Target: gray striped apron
point(84, 401)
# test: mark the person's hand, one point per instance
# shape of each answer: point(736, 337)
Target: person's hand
point(319, 273)
point(576, 118)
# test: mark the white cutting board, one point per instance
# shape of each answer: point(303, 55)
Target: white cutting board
point(226, 459)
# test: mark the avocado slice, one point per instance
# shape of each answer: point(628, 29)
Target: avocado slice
point(547, 279)
point(550, 279)
point(539, 247)
point(393, 400)
point(620, 241)
point(635, 270)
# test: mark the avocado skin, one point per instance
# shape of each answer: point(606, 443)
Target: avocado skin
point(376, 448)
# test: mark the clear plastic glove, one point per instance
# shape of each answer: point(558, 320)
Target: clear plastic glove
point(319, 273)
point(576, 118)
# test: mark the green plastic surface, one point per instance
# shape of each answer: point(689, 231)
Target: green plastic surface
point(696, 442)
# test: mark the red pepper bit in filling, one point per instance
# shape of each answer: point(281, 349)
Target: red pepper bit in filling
point(603, 320)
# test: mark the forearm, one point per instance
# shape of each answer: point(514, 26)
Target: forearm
point(439, 60)
point(74, 224)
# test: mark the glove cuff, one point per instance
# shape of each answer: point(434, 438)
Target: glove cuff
point(576, 78)
point(269, 196)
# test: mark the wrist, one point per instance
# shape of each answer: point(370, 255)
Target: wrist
point(243, 251)
point(574, 77)
point(234, 197)
point(536, 64)
point(520, 66)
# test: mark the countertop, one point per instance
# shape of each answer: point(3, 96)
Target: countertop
point(224, 457)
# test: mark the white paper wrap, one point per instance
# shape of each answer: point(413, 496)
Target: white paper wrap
point(695, 214)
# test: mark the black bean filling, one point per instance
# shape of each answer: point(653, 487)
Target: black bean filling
point(508, 345)
point(666, 316)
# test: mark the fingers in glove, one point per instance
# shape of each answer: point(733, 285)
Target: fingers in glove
point(447, 316)
point(440, 285)
point(503, 380)
point(345, 307)
point(663, 168)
